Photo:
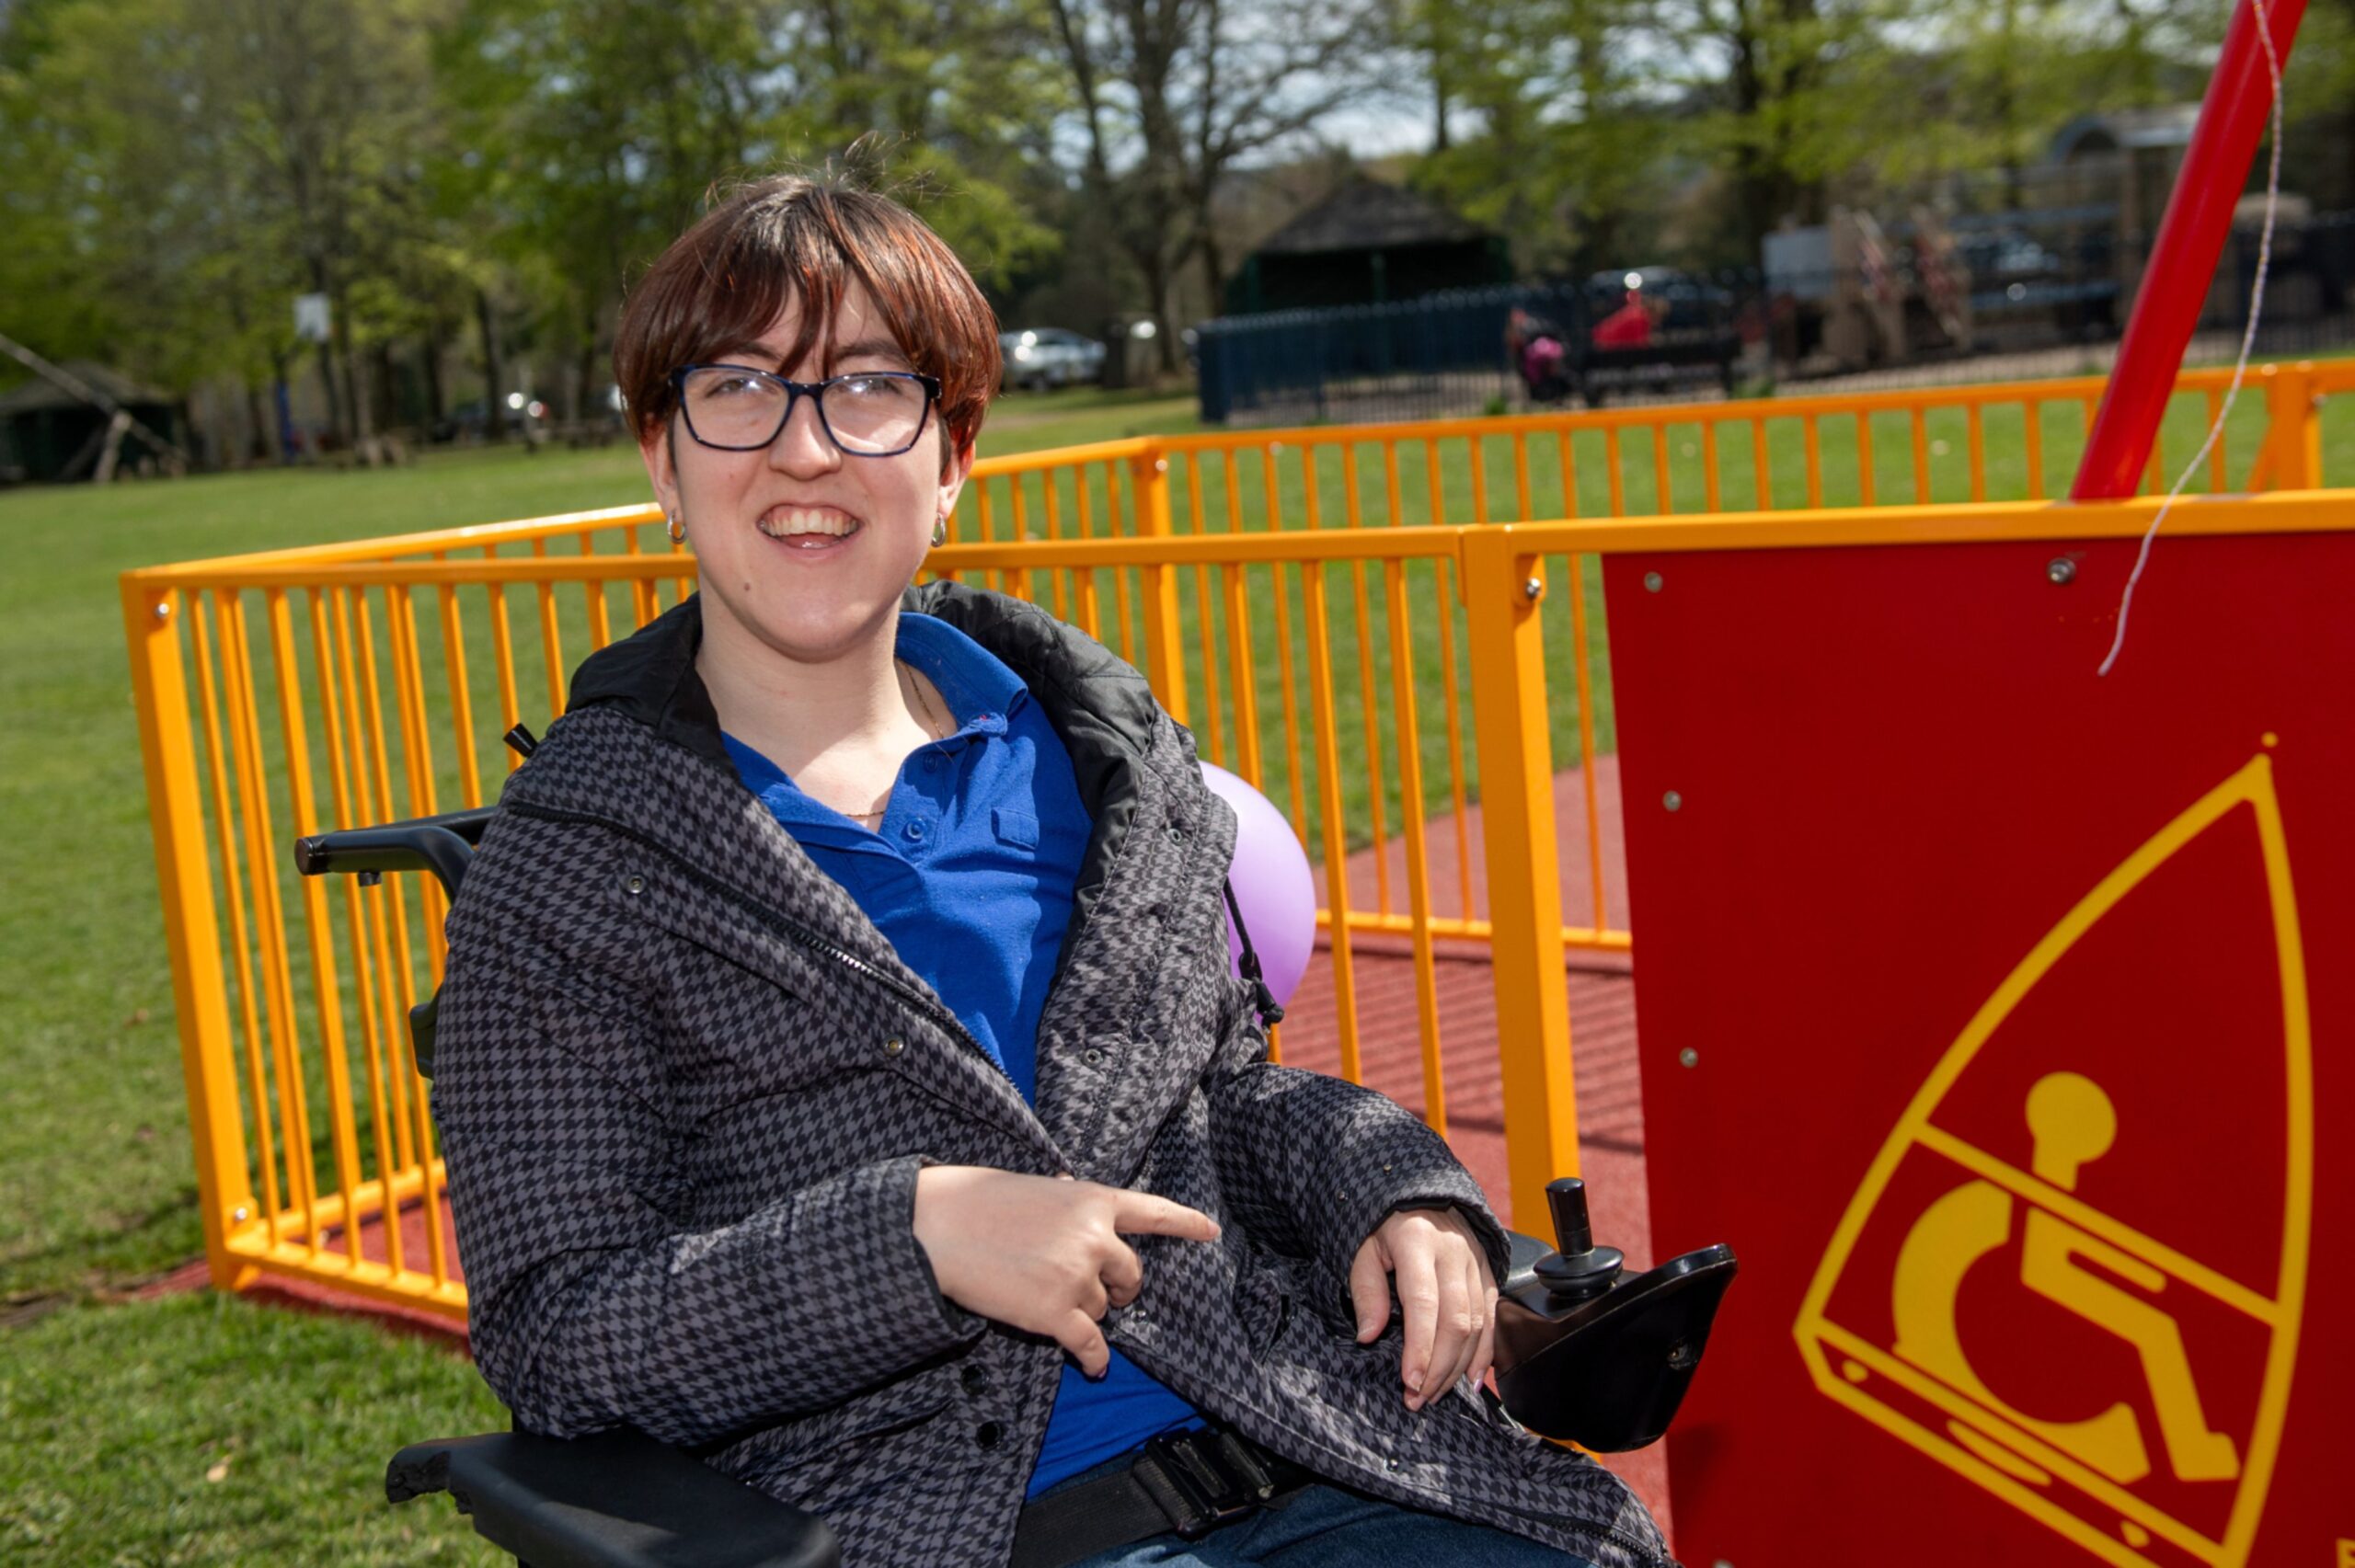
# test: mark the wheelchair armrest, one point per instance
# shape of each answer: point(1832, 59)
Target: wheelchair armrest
point(615, 1500)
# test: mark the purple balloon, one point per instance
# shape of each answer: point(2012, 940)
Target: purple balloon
point(1272, 884)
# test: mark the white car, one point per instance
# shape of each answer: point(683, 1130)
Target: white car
point(1049, 356)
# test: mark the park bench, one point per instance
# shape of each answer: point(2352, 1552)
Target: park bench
point(1676, 358)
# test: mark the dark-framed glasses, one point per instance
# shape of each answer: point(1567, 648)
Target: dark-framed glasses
point(865, 414)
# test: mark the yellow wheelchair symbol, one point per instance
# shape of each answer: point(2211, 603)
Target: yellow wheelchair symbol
point(2071, 1122)
point(2189, 1486)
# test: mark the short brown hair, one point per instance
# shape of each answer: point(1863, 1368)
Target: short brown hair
point(806, 238)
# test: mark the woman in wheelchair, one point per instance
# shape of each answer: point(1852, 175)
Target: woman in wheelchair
point(840, 1069)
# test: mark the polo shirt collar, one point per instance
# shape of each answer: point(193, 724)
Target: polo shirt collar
point(980, 689)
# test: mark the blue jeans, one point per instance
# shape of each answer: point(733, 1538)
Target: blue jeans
point(1324, 1527)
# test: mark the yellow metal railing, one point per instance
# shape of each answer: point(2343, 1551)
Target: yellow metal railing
point(1404, 690)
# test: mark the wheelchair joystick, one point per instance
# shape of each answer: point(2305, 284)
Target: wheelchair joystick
point(1586, 1352)
point(1577, 1268)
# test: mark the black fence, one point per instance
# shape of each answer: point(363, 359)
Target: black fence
point(1999, 303)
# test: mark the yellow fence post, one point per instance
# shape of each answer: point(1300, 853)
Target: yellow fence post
point(1165, 632)
point(1503, 589)
point(199, 996)
point(2295, 433)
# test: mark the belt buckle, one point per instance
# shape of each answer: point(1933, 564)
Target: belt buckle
point(1201, 1481)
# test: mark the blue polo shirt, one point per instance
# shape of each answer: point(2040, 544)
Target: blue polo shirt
point(969, 875)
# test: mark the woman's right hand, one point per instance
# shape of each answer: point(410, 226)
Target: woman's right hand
point(1042, 1253)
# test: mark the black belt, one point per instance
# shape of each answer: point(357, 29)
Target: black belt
point(1190, 1482)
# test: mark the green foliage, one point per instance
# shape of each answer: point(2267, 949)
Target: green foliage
point(1566, 156)
point(174, 171)
point(1584, 115)
point(265, 150)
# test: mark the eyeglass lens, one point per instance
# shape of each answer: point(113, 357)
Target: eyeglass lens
point(873, 415)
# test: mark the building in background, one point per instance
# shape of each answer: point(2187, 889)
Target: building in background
point(1367, 243)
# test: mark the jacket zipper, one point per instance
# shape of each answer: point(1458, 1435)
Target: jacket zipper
point(785, 924)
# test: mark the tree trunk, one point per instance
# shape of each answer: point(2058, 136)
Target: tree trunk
point(258, 426)
point(1213, 264)
point(494, 397)
point(339, 412)
point(384, 386)
point(436, 404)
point(356, 389)
point(1156, 271)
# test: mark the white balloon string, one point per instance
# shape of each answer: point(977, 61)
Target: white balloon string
point(2248, 341)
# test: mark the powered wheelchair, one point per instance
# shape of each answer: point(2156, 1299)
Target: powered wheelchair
point(1584, 1354)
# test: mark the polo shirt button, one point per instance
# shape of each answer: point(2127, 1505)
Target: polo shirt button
point(932, 761)
point(913, 830)
point(989, 1434)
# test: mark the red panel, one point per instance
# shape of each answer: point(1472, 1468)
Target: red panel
point(1936, 905)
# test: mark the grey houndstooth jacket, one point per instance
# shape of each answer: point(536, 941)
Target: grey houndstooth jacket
point(685, 1087)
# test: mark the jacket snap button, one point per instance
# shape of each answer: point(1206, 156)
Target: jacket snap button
point(989, 1434)
point(1091, 1055)
point(635, 884)
point(893, 1047)
point(1177, 835)
point(974, 1379)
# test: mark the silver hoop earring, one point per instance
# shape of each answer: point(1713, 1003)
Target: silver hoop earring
point(939, 531)
point(676, 526)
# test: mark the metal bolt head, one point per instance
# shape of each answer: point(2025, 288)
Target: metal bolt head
point(1654, 582)
point(1673, 801)
point(163, 610)
point(2061, 571)
point(1534, 590)
point(240, 1214)
point(1161, 465)
point(1688, 1056)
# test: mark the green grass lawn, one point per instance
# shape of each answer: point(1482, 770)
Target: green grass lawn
point(116, 1411)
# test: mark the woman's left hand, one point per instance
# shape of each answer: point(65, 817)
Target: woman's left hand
point(1447, 1299)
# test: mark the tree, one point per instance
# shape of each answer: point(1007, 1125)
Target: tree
point(1172, 94)
point(270, 147)
point(593, 130)
point(1568, 118)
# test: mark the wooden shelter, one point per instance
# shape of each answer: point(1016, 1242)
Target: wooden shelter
point(79, 423)
point(1368, 242)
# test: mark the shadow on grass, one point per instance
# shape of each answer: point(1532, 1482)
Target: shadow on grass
point(135, 1248)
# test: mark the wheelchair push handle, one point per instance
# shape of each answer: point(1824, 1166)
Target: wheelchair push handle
point(441, 844)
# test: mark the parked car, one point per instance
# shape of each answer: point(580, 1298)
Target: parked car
point(1044, 356)
point(526, 418)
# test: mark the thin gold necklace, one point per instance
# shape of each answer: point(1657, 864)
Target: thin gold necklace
point(930, 721)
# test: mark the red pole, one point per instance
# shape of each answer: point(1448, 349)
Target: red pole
point(2232, 117)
